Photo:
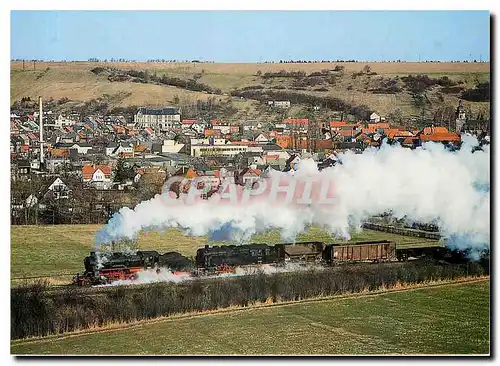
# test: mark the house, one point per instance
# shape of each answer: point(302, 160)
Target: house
point(208, 141)
point(199, 127)
point(217, 150)
point(171, 146)
point(285, 104)
point(154, 172)
point(223, 127)
point(272, 149)
point(378, 126)
point(31, 201)
point(58, 153)
point(234, 129)
point(14, 128)
point(187, 123)
point(140, 149)
point(81, 148)
point(438, 134)
point(261, 138)
point(23, 167)
point(297, 123)
point(345, 135)
point(343, 125)
point(110, 147)
point(57, 190)
point(248, 176)
point(122, 150)
point(291, 163)
point(374, 118)
point(284, 141)
point(97, 175)
point(163, 118)
point(212, 132)
point(63, 121)
point(248, 158)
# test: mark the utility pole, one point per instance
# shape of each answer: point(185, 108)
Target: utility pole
point(41, 132)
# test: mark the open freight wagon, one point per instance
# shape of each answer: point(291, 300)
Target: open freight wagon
point(379, 251)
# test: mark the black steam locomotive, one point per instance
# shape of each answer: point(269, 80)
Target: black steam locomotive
point(101, 269)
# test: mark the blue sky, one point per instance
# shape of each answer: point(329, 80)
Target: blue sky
point(251, 36)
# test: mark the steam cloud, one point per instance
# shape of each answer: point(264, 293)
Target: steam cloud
point(148, 276)
point(429, 184)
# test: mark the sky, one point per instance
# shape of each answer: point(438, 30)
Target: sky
point(251, 36)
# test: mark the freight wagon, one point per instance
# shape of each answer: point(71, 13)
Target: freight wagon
point(307, 251)
point(377, 251)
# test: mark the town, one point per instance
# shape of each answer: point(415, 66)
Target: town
point(83, 169)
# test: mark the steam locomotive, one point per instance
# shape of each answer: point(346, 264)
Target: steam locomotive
point(102, 269)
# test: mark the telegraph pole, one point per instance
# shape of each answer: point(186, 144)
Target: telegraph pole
point(41, 131)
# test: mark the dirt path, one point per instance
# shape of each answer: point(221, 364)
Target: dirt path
point(382, 291)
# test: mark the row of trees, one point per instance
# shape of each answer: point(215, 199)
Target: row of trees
point(362, 112)
point(146, 77)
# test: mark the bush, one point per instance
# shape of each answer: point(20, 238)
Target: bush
point(452, 90)
point(481, 93)
point(98, 70)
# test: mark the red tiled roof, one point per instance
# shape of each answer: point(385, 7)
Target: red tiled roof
point(271, 156)
point(409, 140)
point(32, 136)
point(450, 136)
point(340, 123)
point(433, 130)
point(401, 133)
point(346, 133)
point(382, 125)
point(89, 170)
point(255, 171)
point(59, 153)
point(188, 121)
point(191, 173)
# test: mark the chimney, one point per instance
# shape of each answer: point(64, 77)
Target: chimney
point(41, 130)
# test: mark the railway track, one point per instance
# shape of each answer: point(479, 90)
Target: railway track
point(101, 290)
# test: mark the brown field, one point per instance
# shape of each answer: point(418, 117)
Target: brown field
point(252, 68)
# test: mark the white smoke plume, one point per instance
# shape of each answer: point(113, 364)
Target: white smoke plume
point(431, 183)
point(149, 276)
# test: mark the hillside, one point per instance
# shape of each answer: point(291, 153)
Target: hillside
point(379, 87)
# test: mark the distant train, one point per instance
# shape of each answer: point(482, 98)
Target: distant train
point(102, 269)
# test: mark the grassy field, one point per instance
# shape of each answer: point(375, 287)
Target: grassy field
point(450, 319)
point(60, 249)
